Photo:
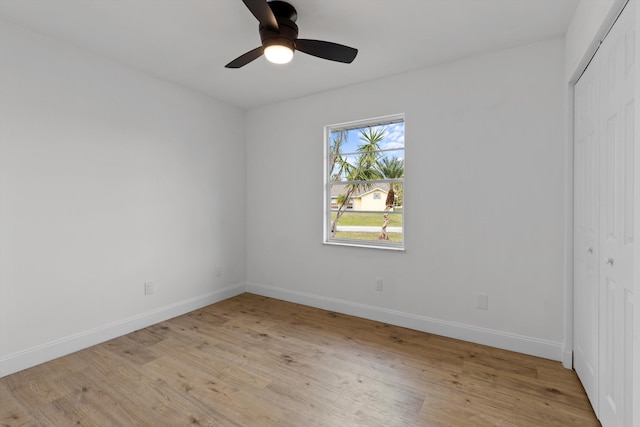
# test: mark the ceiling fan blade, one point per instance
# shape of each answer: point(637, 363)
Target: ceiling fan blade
point(327, 50)
point(243, 60)
point(262, 12)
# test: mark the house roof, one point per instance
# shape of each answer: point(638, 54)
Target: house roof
point(338, 189)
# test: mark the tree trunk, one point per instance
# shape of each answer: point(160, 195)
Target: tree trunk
point(389, 205)
point(341, 210)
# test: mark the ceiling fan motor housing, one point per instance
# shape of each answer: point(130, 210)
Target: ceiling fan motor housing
point(283, 9)
point(286, 35)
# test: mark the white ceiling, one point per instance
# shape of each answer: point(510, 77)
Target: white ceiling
point(190, 41)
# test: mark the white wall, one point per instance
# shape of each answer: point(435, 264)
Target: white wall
point(484, 201)
point(108, 178)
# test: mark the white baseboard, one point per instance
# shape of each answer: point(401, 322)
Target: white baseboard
point(67, 345)
point(521, 344)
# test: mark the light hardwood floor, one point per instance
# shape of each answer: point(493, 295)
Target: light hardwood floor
point(255, 361)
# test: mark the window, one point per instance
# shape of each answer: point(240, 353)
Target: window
point(364, 182)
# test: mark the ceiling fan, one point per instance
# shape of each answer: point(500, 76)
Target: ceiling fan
point(279, 35)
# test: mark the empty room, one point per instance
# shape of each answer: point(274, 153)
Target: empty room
point(202, 217)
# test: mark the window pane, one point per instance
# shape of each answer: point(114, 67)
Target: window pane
point(354, 154)
point(365, 212)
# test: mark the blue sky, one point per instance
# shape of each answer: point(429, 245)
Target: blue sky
point(394, 138)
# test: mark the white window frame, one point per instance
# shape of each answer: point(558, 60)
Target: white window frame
point(327, 239)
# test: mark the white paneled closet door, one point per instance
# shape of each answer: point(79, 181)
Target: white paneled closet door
point(586, 230)
point(604, 149)
point(617, 113)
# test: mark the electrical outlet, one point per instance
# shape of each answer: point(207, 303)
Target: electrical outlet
point(148, 288)
point(218, 271)
point(379, 284)
point(483, 302)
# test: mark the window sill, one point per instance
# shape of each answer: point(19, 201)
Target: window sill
point(365, 245)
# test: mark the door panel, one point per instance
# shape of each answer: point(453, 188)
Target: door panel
point(617, 222)
point(586, 230)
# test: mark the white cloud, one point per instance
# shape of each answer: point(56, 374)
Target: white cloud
point(392, 145)
point(394, 138)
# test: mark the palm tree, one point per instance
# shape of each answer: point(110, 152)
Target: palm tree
point(390, 168)
point(365, 169)
point(335, 157)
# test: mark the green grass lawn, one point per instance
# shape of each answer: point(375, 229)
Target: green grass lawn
point(393, 237)
point(368, 219)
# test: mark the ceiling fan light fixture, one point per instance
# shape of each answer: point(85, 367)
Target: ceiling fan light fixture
point(278, 54)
